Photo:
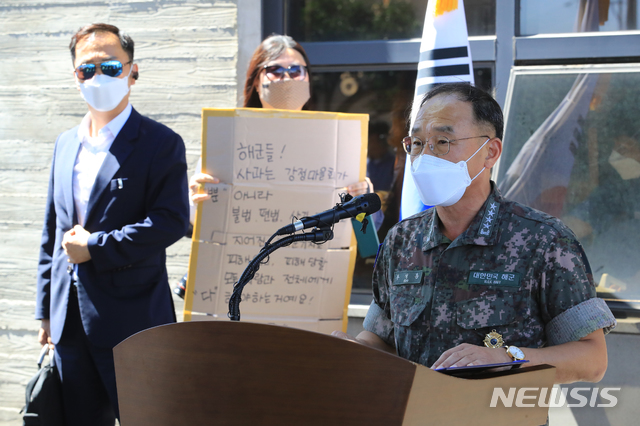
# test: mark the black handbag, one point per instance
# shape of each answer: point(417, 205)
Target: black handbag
point(44, 395)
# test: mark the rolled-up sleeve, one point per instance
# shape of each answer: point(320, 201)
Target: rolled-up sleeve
point(379, 323)
point(579, 321)
point(378, 318)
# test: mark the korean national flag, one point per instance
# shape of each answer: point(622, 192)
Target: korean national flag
point(444, 58)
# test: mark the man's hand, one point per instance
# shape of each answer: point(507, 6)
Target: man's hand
point(44, 335)
point(466, 354)
point(75, 246)
point(194, 185)
point(360, 188)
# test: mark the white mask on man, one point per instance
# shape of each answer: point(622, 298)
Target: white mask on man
point(441, 182)
point(104, 93)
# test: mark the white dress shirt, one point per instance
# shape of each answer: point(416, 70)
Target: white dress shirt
point(91, 155)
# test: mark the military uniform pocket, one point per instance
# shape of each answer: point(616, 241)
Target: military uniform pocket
point(408, 302)
point(488, 311)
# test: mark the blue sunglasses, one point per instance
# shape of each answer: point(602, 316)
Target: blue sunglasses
point(277, 72)
point(110, 68)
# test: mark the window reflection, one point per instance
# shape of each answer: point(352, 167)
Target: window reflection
point(572, 149)
point(552, 16)
point(340, 20)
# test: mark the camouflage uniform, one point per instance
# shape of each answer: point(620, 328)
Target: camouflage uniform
point(515, 269)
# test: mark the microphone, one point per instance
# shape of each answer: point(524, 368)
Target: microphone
point(366, 203)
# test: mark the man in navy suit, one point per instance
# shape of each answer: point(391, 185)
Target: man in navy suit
point(117, 199)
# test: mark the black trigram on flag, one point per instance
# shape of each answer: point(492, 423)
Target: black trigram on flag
point(445, 56)
point(436, 66)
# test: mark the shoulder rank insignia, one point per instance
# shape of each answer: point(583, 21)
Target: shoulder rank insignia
point(493, 340)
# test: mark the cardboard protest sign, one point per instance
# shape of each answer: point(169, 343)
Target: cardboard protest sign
point(275, 166)
point(297, 282)
point(242, 209)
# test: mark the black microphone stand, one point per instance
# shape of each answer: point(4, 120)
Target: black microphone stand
point(320, 235)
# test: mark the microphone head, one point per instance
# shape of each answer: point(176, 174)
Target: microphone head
point(369, 203)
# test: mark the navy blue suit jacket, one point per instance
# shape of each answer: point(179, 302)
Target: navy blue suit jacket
point(138, 206)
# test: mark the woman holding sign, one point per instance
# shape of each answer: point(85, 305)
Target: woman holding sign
point(278, 78)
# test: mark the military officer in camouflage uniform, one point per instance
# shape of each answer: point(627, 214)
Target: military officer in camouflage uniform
point(477, 264)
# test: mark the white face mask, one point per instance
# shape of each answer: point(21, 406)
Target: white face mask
point(286, 94)
point(441, 182)
point(104, 93)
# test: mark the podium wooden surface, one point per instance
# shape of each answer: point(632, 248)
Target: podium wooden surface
point(239, 373)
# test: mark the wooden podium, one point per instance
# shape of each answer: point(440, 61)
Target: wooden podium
point(239, 373)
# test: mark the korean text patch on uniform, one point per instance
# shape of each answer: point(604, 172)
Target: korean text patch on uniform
point(407, 277)
point(509, 279)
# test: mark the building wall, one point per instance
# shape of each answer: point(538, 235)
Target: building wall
point(188, 55)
